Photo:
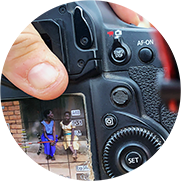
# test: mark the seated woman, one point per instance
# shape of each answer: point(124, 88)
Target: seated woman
point(67, 131)
point(49, 134)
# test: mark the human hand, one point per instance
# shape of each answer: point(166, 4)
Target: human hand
point(125, 14)
point(52, 143)
point(33, 68)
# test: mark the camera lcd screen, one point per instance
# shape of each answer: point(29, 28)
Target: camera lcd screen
point(27, 130)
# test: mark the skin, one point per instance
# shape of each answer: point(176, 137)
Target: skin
point(125, 14)
point(33, 68)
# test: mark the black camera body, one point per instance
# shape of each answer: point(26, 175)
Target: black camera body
point(115, 66)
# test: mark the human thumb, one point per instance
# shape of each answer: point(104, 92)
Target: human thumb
point(29, 64)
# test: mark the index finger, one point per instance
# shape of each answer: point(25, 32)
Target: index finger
point(125, 14)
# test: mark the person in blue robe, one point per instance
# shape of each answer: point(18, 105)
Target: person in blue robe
point(49, 134)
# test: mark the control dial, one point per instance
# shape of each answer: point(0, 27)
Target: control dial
point(128, 148)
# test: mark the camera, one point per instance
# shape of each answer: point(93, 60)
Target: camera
point(113, 95)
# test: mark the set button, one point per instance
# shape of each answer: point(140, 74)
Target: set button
point(133, 159)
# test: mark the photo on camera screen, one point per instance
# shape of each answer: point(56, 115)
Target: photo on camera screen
point(68, 158)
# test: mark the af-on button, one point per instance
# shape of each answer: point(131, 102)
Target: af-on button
point(146, 55)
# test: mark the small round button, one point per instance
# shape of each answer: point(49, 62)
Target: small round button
point(118, 54)
point(121, 96)
point(133, 159)
point(146, 55)
point(110, 121)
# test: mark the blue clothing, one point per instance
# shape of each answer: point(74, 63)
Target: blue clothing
point(48, 127)
point(48, 148)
